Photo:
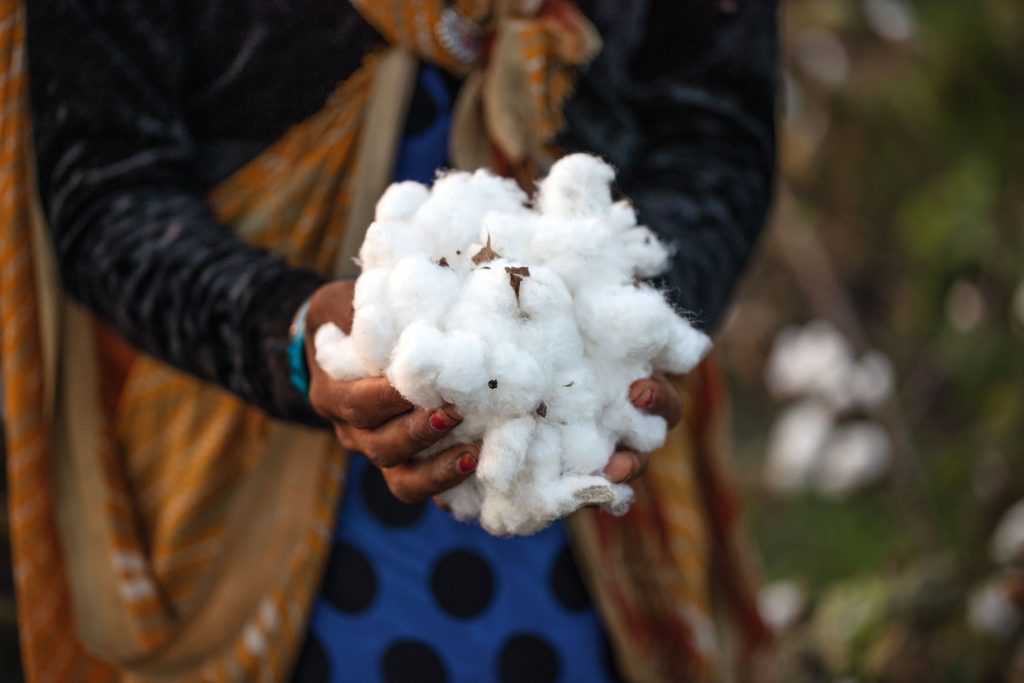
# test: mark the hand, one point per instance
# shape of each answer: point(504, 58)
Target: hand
point(654, 395)
point(371, 417)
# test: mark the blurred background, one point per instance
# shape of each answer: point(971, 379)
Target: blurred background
point(876, 348)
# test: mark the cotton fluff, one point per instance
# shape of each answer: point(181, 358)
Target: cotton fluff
point(532, 319)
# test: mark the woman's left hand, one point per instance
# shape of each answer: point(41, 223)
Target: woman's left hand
point(655, 395)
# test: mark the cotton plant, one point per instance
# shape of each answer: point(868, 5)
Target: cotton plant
point(1008, 538)
point(810, 446)
point(532, 318)
point(995, 607)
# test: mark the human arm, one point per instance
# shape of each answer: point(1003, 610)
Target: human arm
point(135, 239)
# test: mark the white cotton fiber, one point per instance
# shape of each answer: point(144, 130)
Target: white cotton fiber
point(532, 321)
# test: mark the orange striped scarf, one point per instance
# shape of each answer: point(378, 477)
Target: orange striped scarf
point(162, 530)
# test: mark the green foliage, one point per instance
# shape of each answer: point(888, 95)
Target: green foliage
point(911, 174)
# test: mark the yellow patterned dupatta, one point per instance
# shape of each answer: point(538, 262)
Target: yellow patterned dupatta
point(162, 530)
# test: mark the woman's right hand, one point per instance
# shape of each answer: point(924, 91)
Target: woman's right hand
point(371, 417)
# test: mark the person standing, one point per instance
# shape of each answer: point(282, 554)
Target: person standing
point(201, 168)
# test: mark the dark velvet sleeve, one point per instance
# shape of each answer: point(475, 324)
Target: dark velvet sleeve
point(135, 240)
point(681, 100)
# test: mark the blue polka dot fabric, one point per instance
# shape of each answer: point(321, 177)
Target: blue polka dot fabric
point(410, 595)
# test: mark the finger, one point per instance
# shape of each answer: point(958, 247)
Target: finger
point(420, 479)
point(368, 403)
point(626, 465)
point(656, 395)
point(401, 437)
point(347, 436)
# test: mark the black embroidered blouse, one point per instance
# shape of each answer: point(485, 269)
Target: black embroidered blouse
point(141, 106)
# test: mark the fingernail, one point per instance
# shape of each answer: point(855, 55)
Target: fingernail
point(617, 473)
point(466, 464)
point(644, 399)
point(440, 421)
point(452, 412)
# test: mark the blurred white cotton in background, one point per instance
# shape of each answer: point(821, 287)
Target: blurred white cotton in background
point(1018, 304)
point(782, 604)
point(965, 305)
point(871, 380)
point(817, 360)
point(533, 322)
point(811, 360)
point(1008, 538)
point(811, 446)
point(795, 446)
point(990, 611)
point(857, 455)
point(890, 19)
point(822, 56)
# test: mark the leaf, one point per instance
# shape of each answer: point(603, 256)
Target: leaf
point(542, 409)
point(485, 254)
point(515, 277)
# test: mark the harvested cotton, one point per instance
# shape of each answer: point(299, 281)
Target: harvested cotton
point(532, 320)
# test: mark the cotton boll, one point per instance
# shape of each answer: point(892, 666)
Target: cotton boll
point(542, 294)
point(458, 204)
point(464, 500)
point(509, 235)
point(507, 514)
point(580, 252)
point(586, 448)
point(782, 604)
point(386, 242)
point(871, 380)
point(623, 322)
point(463, 371)
point(578, 185)
point(1008, 538)
point(811, 360)
point(991, 610)
point(335, 355)
point(504, 452)
point(496, 193)
point(622, 498)
point(544, 455)
point(646, 255)
point(796, 446)
point(515, 382)
point(528, 321)
point(575, 394)
point(488, 287)
point(857, 455)
point(373, 336)
point(371, 287)
point(557, 340)
point(686, 347)
point(547, 323)
point(416, 362)
point(419, 289)
point(621, 216)
point(401, 200)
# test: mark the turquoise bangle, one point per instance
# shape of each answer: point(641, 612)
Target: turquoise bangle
point(298, 370)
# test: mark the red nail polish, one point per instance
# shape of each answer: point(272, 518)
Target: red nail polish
point(441, 422)
point(645, 400)
point(466, 464)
